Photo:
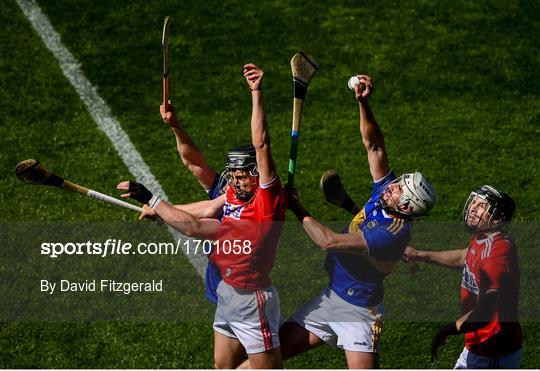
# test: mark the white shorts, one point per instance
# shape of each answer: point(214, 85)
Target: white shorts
point(252, 317)
point(470, 360)
point(341, 324)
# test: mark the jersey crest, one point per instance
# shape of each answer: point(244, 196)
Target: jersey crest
point(232, 211)
point(372, 224)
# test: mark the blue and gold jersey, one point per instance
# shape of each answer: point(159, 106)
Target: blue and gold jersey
point(359, 279)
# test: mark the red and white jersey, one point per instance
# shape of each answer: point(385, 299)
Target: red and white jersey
point(249, 236)
point(492, 263)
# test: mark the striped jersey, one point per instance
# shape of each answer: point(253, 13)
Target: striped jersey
point(249, 235)
point(492, 263)
point(359, 279)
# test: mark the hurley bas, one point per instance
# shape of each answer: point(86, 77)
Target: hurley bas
point(101, 286)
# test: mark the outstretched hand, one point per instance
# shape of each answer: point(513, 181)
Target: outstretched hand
point(364, 89)
point(292, 197)
point(410, 255)
point(294, 203)
point(254, 76)
point(169, 117)
point(137, 191)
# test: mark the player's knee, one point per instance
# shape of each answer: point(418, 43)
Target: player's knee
point(229, 361)
point(269, 359)
point(223, 364)
point(361, 360)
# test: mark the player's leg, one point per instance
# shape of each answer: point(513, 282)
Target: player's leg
point(267, 360)
point(295, 340)
point(361, 360)
point(253, 317)
point(228, 351)
point(358, 331)
point(307, 328)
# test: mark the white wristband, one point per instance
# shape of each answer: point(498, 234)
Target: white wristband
point(154, 201)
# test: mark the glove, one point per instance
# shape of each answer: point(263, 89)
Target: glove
point(294, 204)
point(139, 192)
point(440, 338)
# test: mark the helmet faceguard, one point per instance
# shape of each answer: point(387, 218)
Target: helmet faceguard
point(500, 209)
point(417, 192)
point(241, 158)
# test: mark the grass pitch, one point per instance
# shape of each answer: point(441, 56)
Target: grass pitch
point(457, 96)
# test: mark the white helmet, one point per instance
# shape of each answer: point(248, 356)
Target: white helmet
point(418, 192)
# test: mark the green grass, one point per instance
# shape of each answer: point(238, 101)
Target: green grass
point(457, 96)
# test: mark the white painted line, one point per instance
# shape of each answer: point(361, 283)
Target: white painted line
point(99, 111)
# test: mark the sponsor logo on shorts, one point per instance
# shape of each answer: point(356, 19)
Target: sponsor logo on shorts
point(255, 346)
point(363, 343)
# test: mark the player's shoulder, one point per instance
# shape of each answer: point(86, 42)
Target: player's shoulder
point(271, 190)
point(499, 244)
point(502, 240)
point(388, 228)
point(274, 183)
point(380, 185)
point(390, 176)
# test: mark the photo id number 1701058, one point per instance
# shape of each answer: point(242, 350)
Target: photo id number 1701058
point(235, 247)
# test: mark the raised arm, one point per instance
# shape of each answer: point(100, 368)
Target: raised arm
point(191, 155)
point(260, 136)
point(372, 136)
point(449, 259)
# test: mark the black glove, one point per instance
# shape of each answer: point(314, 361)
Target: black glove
point(294, 204)
point(139, 192)
point(440, 338)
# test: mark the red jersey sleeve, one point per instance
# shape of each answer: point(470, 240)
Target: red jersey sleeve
point(272, 200)
point(496, 267)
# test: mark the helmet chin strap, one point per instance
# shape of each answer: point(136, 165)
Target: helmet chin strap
point(472, 228)
point(391, 210)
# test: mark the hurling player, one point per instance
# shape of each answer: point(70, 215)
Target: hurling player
point(247, 234)
point(347, 314)
point(489, 286)
point(212, 182)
